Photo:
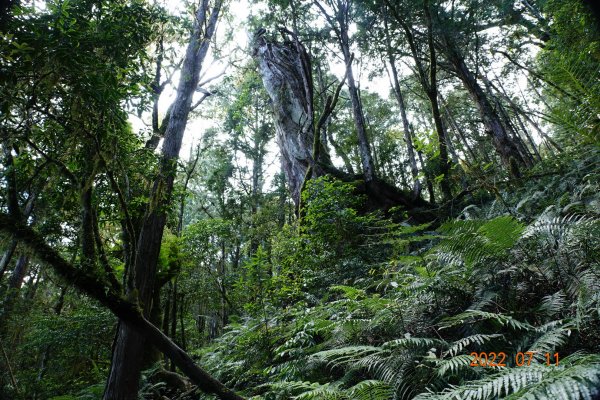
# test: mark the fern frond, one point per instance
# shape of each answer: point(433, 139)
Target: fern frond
point(555, 228)
point(454, 365)
point(371, 390)
point(552, 305)
point(508, 381)
point(578, 377)
point(460, 344)
point(323, 392)
point(475, 241)
point(472, 316)
point(345, 355)
point(552, 339)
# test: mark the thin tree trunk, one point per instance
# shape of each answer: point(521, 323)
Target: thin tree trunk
point(428, 180)
point(458, 130)
point(432, 93)
point(58, 307)
point(7, 256)
point(405, 123)
point(368, 167)
point(14, 285)
point(181, 324)
point(173, 317)
point(340, 152)
point(429, 84)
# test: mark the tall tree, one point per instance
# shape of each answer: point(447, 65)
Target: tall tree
point(428, 77)
point(129, 346)
point(340, 24)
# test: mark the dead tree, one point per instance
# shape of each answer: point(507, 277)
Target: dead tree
point(286, 72)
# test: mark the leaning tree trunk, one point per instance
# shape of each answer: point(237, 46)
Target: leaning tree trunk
point(494, 126)
point(280, 66)
point(97, 287)
point(130, 346)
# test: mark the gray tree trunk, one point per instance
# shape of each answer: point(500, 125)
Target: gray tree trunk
point(364, 148)
point(414, 169)
point(281, 67)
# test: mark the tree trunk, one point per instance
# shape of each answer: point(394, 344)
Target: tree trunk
point(368, 168)
point(429, 84)
point(432, 93)
point(14, 210)
point(414, 169)
point(7, 256)
point(127, 311)
point(45, 357)
point(280, 68)
point(12, 292)
point(504, 145)
point(127, 360)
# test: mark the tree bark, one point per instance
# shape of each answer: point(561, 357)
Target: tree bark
point(364, 148)
point(281, 67)
point(128, 352)
point(7, 256)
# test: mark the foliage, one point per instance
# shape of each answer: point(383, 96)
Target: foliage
point(334, 300)
point(408, 331)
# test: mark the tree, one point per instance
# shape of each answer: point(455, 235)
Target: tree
point(130, 346)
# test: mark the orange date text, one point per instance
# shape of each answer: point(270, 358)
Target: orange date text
point(521, 359)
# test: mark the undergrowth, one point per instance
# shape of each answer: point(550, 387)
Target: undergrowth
point(407, 306)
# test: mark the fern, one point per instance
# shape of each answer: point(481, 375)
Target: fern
point(365, 390)
point(577, 377)
point(345, 355)
point(454, 365)
point(473, 242)
point(371, 390)
point(460, 344)
point(551, 340)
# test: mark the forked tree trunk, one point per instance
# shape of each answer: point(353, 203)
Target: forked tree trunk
point(494, 126)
